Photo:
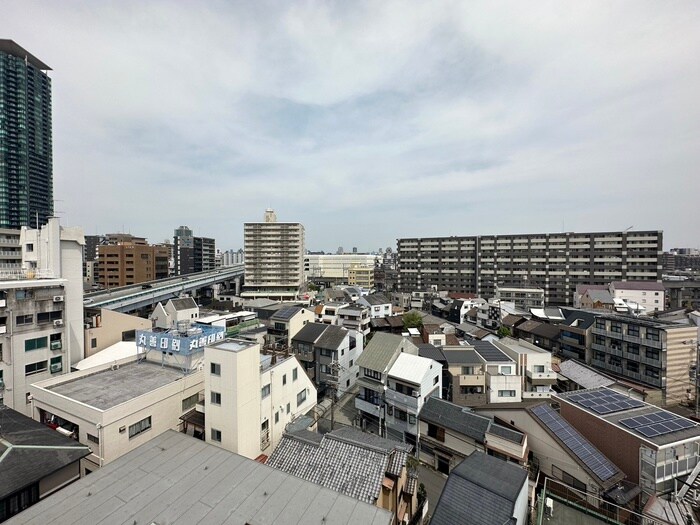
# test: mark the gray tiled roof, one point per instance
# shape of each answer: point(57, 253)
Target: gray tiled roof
point(310, 332)
point(454, 417)
point(431, 352)
point(185, 303)
point(332, 337)
point(376, 299)
point(459, 357)
point(602, 296)
point(174, 478)
point(582, 375)
point(489, 352)
point(380, 351)
point(347, 460)
point(481, 490)
point(20, 467)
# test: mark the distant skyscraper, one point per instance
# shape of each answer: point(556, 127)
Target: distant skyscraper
point(26, 165)
point(193, 254)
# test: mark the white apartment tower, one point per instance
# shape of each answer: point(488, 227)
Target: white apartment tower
point(274, 253)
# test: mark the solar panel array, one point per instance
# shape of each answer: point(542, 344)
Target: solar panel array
point(604, 401)
point(574, 441)
point(657, 423)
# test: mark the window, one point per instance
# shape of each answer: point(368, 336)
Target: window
point(506, 370)
point(652, 372)
point(93, 342)
point(436, 379)
point(30, 247)
point(138, 428)
point(538, 369)
point(468, 370)
point(215, 369)
point(21, 295)
point(411, 419)
point(215, 398)
point(652, 354)
point(466, 390)
point(372, 374)
point(325, 352)
point(288, 408)
point(632, 366)
point(190, 402)
point(400, 414)
point(284, 379)
point(600, 324)
point(24, 319)
point(652, 335)
point(35, 368)
point(294, 374)
point(216, 435)
point(436, 432)
point(277, 417)
point(616, 328)
point(94, 439)
point(301, 397)
point(633, 330)
point(506, 393)
point(632, 349)
point(47, 317)
point(36, 344)
point(265, 391)
point(568, 479)
point(352, 361)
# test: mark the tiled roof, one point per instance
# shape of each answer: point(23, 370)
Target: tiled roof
point(332, 338)
point(582, 375)
point(431, 352)
point(462, 357)
point(348, 461)
point(376, 299)
point(600, 296)
point(481, 490)
point(380, 351)
point(186, 303)
point(512, 320)
point(454, 417)
point(310, 332)
point(638, 285)
point(528, 326)
point(549, 331)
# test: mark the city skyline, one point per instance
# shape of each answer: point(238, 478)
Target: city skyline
point(372, 123)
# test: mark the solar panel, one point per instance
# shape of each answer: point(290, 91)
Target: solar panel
point(604, 401)
point(657, 423)
point(574, 441)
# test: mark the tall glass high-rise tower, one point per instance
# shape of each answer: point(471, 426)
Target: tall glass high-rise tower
point(26, 164)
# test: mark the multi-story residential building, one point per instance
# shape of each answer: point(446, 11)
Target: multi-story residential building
point(331, 269)
point(286, 322)
point(411, 380)
point(645, 350)
point(41, 311)
point(374, 363)
point(329, 313)
point(458, 308)
point(556, 262)
point(10, 251)
point(274, 258)
point(361, 275)
point(368, 468)
point(523, 297)
point(575, 334)
point(534, 367)
point(649, 295)
point(26, 171)
point(329, 355)
point(250, 397)
point(130, 260)
point(655, 448)
point(490, 315)
point(192, 254)
point(355, 317)
point(379, 305)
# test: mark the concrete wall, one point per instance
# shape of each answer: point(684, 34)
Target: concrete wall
point(58, 479)
point(109, 328)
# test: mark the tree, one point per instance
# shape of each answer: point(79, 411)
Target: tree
point(412, 320)
point(504, 331)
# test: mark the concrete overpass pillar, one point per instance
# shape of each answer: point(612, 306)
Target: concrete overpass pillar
point(237, 285)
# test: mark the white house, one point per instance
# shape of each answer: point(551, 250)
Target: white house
point(250, 397)
point(184, 309)
point(534, 366)
point(411, 381)
point(647, 294)
point(379, 305)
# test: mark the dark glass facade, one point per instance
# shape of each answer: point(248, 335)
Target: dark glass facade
point(26, 163)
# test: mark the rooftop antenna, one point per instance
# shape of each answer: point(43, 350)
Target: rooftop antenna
point(627, 229)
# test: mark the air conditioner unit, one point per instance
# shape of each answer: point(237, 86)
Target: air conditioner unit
point(57, 298)
point(2, 385)
point(56, 368)
point(58, 322)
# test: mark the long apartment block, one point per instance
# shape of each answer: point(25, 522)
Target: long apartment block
point(555, 262)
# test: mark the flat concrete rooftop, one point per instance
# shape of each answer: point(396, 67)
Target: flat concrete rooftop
point(108, 388)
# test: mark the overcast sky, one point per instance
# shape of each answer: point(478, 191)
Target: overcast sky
point(371, 121)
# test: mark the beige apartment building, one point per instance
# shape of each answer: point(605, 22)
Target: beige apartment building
point(129, 262)
point(103, 328)
point(362, 276)
point(274, 253)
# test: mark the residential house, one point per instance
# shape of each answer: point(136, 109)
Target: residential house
point(466, 377)
point(376, 360)
point(35, 461)
point(593, 299)
point(328, 313)
point(354, 317)
point(483, 490)
point(648, 294)
point(449, 433)
point(249, 396)
point(655, 448)
point(457, 309)
point(286, 322)
point(544, 335)
point(175, 478)
point(329, 355)
point(575, 334)
point(411, 380)
point(368, 468)
point(183, 310)
point(534, 367)
point(379, 305)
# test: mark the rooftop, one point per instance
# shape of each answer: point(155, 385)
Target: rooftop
point(638, 285)
point(489, 353)
point(30, 451)
point(379, 352)
point(174, 478)
point(582, 375)
point(346, 460)
point(185, 303)
point(413, 368)
point(12, 48)
point(105, 389)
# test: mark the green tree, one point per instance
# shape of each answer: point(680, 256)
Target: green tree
point(504, 331)
point(412, 320)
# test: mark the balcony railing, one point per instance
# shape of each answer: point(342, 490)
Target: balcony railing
point(368, 407)
point(401, 400)
point(536, 395)
point(264, 439)
point(472, 380)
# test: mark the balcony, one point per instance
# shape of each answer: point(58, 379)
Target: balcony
point(542, 378)
point(536, 395)
point(472, 380)
point(571, 340)
point(368, 407)
point(402, 400)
